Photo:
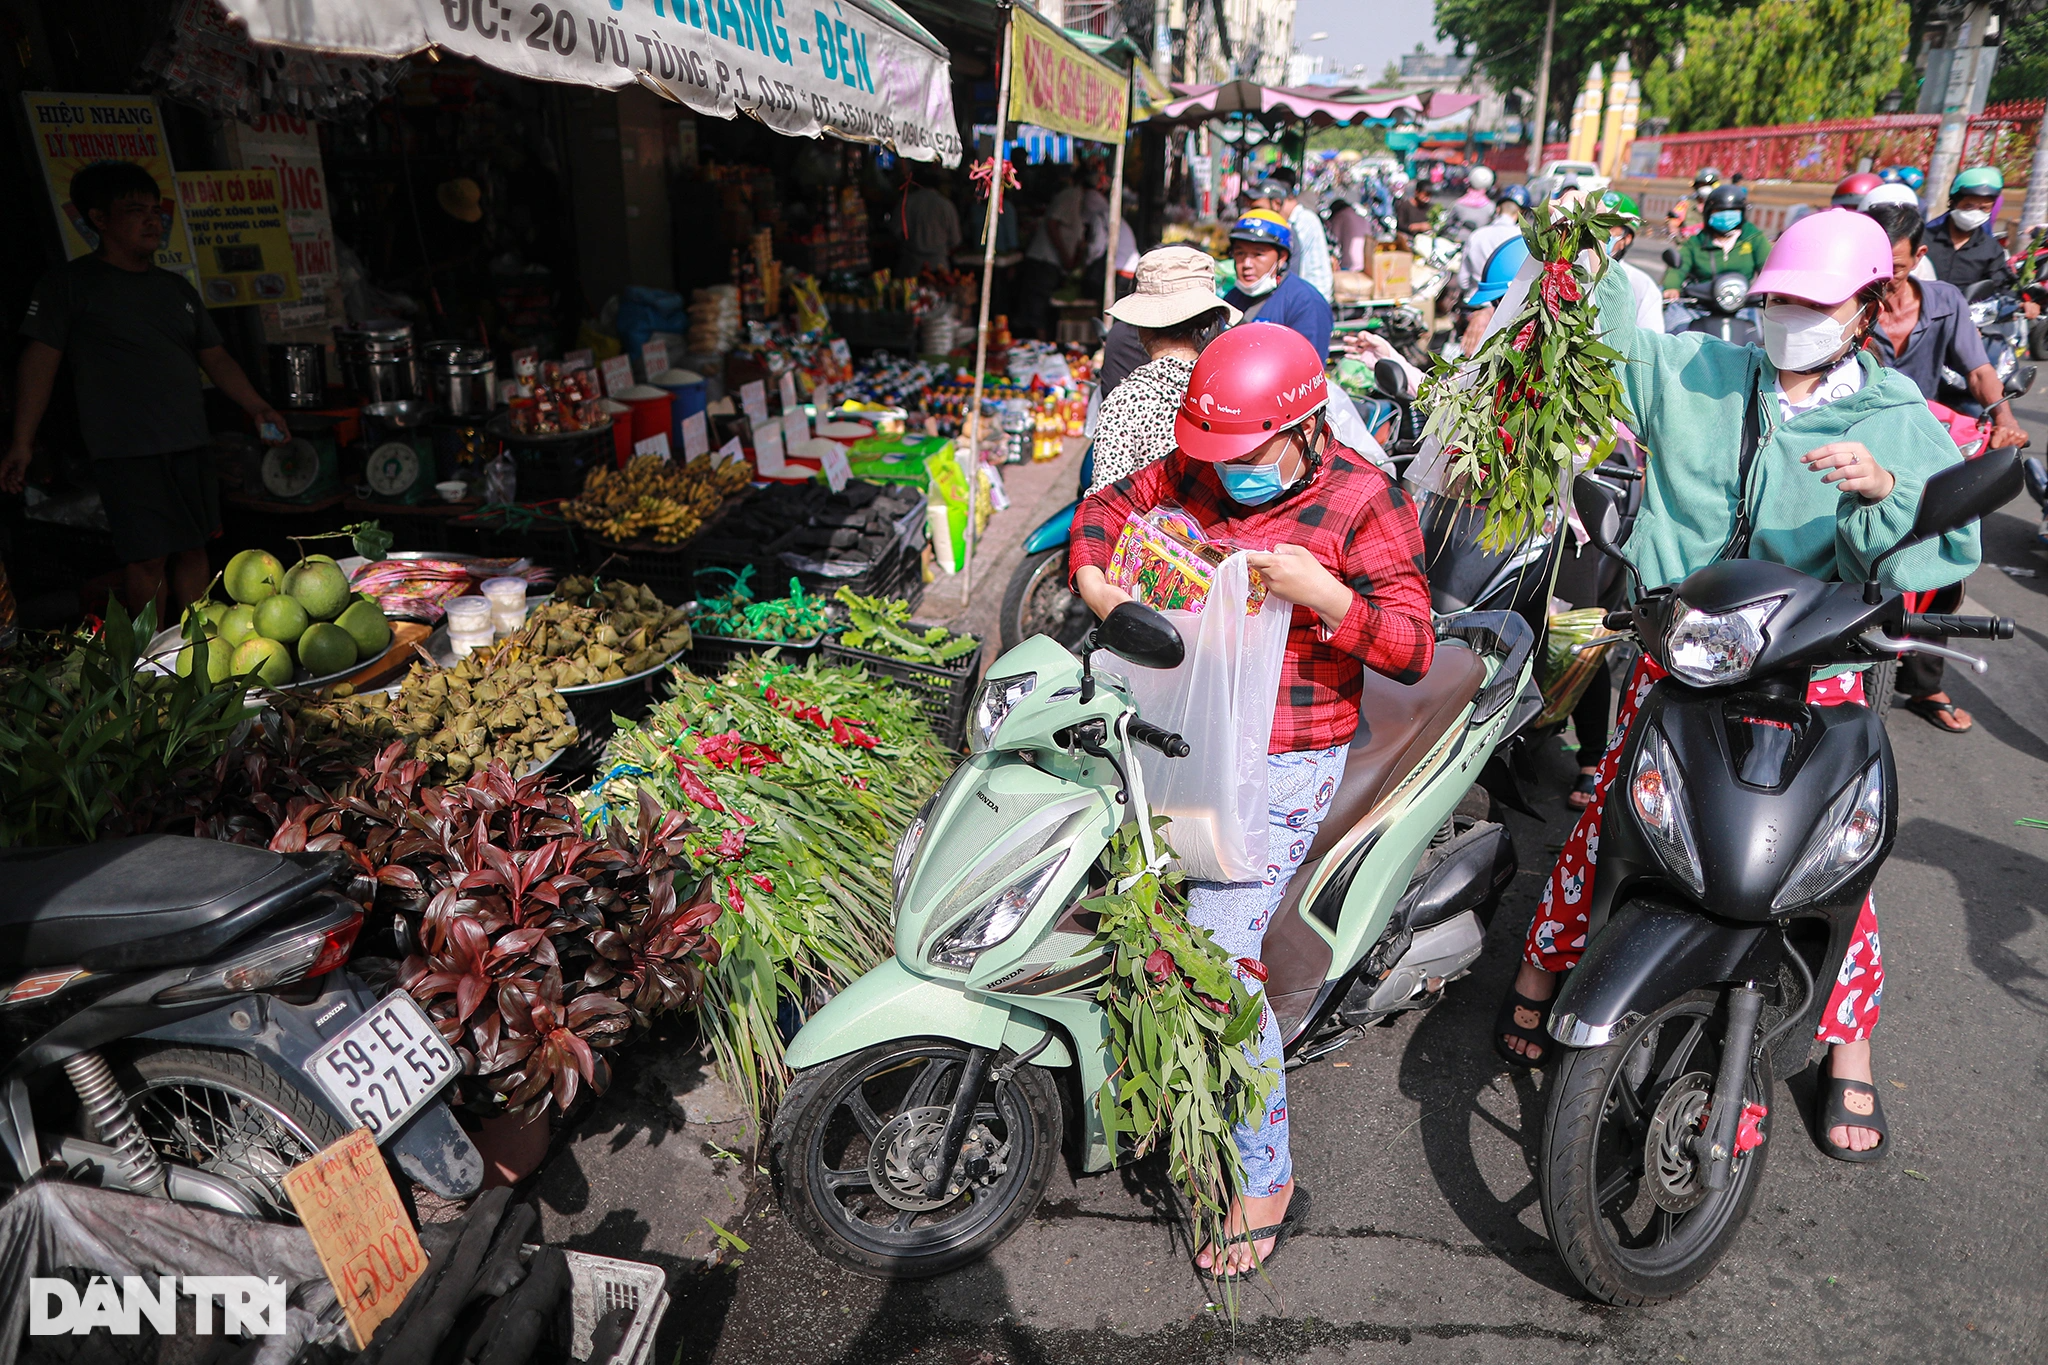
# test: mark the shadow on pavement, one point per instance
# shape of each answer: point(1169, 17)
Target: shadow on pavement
point(1993, 918)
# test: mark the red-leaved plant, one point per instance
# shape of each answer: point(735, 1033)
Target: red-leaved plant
point(532, 947)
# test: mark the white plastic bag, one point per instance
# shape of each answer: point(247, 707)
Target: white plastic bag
point(1221, 701)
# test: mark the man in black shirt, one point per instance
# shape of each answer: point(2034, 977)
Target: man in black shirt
point(1960, 246)
point(137, 338)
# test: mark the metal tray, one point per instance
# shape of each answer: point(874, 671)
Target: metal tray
point(162, 654)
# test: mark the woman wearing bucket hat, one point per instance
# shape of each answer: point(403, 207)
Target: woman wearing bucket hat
point(1816, 496)
point(1257, 465)
point(1173, 305)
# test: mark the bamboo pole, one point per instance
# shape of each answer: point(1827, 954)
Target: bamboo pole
point(1116, 212)
point(1542, 94)
point(988, 271)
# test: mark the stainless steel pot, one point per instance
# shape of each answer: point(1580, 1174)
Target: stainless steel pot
point(378, 361)
point(462, 380)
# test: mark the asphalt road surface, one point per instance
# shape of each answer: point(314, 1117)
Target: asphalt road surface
point(1426, 1242)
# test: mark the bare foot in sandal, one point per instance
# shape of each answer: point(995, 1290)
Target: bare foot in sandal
point(1937, 710)
point(1582, 792)
point(1268, 1211)
point(1532, 983)
point(1851, 1062)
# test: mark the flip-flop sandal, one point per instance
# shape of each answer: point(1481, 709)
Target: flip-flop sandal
point(1939, 714)
point(1587, 786)
point(1505, 1023)
point(1289, 1224)
point(1835, 1111)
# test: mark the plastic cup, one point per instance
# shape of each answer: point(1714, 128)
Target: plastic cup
point(504, 594)
point(469, 615)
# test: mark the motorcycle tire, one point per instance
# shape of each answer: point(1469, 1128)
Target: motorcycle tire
point(1879, 683)
point(1591, 1141)
point(1039, 602)
point(903, 1089)
point(226, 1113)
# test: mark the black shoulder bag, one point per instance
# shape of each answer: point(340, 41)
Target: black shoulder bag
point(1752, 423)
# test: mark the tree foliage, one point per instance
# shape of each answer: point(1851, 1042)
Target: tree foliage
point(2022, 72)
point(1784, 61)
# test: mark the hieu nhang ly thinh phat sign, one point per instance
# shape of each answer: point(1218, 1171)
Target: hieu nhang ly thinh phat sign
point(1057, 84)
point(802, 67)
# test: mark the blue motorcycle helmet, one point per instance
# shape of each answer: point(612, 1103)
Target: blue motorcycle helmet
point(1500, 271)
point(1518, 195)
point(1912, 177)
point(1265, 227)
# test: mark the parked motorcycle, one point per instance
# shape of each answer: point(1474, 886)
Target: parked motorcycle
point(1730, 880)
point(178, 1024)
point(927, 1112)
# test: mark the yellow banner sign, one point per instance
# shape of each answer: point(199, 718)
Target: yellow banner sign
point(74, 131)
point(239, 237)
point(1058, 86)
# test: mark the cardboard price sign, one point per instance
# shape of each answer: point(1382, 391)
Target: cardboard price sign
point(657, 445)
point(349, 1207)
point(696, 438)
point(785, 388)
point(768, 454)
point(727, 452)
point(618, 375)
point(795, 430)
point(837, 468)
point(654, 360)
point(754, 401)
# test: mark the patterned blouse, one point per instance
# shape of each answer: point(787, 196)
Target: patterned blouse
point(1134, 425)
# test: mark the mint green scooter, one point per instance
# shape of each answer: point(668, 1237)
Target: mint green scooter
point(926, 1111)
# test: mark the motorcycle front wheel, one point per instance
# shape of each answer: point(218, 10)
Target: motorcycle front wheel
point(1039, 602)
point(1624, 1196)
point(855, 1143)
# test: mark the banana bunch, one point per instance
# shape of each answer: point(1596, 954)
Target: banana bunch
point(655, 499)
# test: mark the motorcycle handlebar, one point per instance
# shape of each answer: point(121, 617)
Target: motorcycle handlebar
point(1973, 627)
point(1165, 741)
point(1625, 619)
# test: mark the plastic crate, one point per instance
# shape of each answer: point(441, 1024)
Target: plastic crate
point(709, 654)
point(669, 570)
point(943, 694)
point(600, 1284)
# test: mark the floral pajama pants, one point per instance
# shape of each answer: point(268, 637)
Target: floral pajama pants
point(1557, 936)
point(1299, 787)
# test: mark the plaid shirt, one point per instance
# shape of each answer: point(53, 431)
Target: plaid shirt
point(1356, 523)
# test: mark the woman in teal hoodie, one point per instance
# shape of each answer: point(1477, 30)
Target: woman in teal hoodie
point(1844, 449)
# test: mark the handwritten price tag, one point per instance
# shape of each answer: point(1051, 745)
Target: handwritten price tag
point(837, 470)
point(785, 388)
point(582, 358)
point(657, 444)
point(839, 350)
point(754, 401)
point(768, 454)
point(696, 440)
point(654, 360)
point(618, 375)
point(795, 430)
point(729, 451)
point(349, 1207)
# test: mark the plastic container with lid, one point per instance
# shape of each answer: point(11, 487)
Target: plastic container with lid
point(507, 597)
point(468, 614)
point(622, 427)
point(688, 388)
point(651, 410)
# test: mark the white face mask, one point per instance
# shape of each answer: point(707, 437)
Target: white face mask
point(1258, 288)
point(1799, 338)
point(1969, 220)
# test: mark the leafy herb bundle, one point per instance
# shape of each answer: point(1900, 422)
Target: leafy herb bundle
point(735, 615)
point(797, 783)
point(1178, 1022)
point(881, 625)
point(1539, 390)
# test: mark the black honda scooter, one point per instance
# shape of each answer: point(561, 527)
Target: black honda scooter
point(1745, 829)
point(175, 1021)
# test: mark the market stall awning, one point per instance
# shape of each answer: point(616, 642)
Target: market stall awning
point(858, 69)
point(1198, 103)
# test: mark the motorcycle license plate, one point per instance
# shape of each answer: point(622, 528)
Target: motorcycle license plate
point(386, 1065)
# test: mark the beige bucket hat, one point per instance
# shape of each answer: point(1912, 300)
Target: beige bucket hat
point(1173, 284)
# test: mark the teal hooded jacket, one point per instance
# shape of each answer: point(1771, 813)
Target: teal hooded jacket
point(1687, 391)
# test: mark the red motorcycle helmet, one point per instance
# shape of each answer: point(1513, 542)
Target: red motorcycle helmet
point(1849, 194)
point(1254, 380)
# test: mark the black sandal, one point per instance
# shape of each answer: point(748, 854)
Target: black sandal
point(1506, 1023)
point(1290, 1222)
point(1587, 786)
point(1939, 714)
point(1835, 1112)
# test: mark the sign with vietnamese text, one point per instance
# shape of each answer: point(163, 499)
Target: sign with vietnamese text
point(290, 147)
point(366, 1243)
point(239, 240)
point(1056, 84)
point(72, 132)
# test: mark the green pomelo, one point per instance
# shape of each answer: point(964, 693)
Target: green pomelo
point(238, 624)
point(267, 659)
point(282, 619)
point(217, 658)
point(320, 587)
point(252, 576)
point(326, 648)
point(366, 625)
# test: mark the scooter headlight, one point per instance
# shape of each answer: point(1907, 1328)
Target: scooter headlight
point(994, 920)
point(1709, 649)
point(1848, 835)
point(1657, 792)
point(1983, 313)
point(999, 697)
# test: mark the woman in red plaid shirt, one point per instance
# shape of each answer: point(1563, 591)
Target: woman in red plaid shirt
point(1257, 466)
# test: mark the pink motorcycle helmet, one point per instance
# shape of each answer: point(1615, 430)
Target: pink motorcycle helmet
point(1826, 257)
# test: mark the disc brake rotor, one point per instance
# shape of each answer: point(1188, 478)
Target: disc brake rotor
point(1672, 1171)
point(904, 1158)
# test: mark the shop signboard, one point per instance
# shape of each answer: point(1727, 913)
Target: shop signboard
point(290, 147)
point(239, 239)
point(803, 67)
point(73, 131)
point(1057, 84)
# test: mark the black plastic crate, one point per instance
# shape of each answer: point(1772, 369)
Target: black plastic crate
point(535, 531)
point(668, 569)
point(709, 654)
point(944, 695)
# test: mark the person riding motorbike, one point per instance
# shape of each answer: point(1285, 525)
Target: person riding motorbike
point(1960, 246)
point(1649, 302)
point(1480, 246)
point(1850, 190)
point(1262, 248)
point(1702, 184)
point(1814, 497)
point(1176, 313)
point(1311, 256)
point(1473, 209)
point(1729, 241)
point(1257, 466)
point(1485, 297)
point(1923, 326)
point(1413, 213)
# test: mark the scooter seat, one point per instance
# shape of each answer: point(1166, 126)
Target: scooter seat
point(157, 900)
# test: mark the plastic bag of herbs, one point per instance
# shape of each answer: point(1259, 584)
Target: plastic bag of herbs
point(797, 783)
point(736, 613)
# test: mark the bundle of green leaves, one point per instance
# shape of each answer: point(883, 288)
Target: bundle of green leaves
point(735, 614)
point(94, 747)
point(797, 783)
point(1540, 390)
point(1178, 1022)
point(881, 625)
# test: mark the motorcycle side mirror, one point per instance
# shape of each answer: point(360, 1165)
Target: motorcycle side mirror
point(1598, 504)
point(2036, 475)
point(1137, 634)
point(1671, 257)
point(1977, 290)
point(2019, 381)
point(1959, 495)
point(1390, 377)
